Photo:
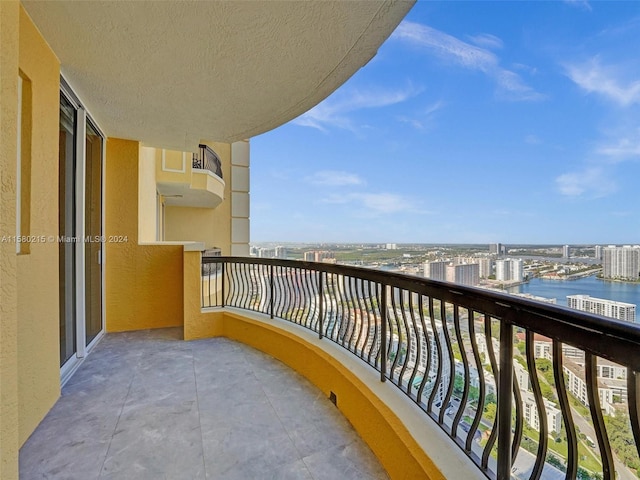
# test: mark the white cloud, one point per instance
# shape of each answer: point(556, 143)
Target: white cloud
point(591, 181)
point(513, 87)
point(374, 204)
point(606, 81)
point(624, 148)
point(532, 139)
point(582, 4)
point(333, 111)
point(486, 40)
point(422, 120)
point(447, 46)
point(334, 178)
point(465, 55)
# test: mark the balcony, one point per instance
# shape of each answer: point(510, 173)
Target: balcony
point(206, 159)
point(147, 405)
point(190, 180)
point(512, 385)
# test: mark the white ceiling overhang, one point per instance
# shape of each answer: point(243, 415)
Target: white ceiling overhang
point(173, 73)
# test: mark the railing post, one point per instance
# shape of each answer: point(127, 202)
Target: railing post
point(505, 387)
point(383, 343)
point(321, 306)
point(223, 296)
point(271, 290)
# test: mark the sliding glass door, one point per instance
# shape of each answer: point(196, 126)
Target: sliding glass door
point(80, 231)
point(93, 233)
point(66, 230)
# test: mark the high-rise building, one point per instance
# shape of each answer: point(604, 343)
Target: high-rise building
point(463, 274)
point(496, 249)
point(281, 252)
point(486, 267)
point(436, 270)
point(392, 246)
point(510, 270)
point(600, 306)
point(566, 251)
point(598, 252)
point(621, 262)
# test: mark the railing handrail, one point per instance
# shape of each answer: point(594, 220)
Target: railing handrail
point(423, 336)
point(207, 159)
point(573, 327)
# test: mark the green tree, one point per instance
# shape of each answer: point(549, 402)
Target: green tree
point(490, 411)
point(621, 439)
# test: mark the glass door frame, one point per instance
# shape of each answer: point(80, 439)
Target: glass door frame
point(82, 117)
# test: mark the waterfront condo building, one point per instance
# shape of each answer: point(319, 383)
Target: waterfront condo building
point(597, 252)
point(436, 270)
point(621, 263)
point(486, 267)
point(606, 308)
point(463, 274)
point(510, 270)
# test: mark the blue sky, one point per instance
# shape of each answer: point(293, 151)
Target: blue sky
point(512, 122)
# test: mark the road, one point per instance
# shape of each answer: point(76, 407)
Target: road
point(622, 472)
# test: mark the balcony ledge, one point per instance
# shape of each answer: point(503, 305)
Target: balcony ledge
point(206, 190)
point(407, 444)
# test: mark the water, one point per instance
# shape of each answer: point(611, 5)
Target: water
point(592, 286)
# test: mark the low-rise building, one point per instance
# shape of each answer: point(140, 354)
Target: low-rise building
point(603, 307)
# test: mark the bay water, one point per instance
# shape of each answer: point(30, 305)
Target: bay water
point(592, 286)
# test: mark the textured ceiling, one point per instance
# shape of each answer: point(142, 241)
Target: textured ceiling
point(174, 73)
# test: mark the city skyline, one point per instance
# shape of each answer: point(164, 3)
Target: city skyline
point(475, 123)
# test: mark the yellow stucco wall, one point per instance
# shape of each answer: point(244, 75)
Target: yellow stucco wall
point(196, 324)
point(38, 293)
point(186, 224)
point(29, 346)
point(9, 15)
point(147, 196)
point(210, 226)
point(143, 282)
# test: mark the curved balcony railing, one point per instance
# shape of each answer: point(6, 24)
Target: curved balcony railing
point(516, 384)
point(207, 159)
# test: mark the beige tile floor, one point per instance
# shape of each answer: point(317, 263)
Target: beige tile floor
point(147, 405)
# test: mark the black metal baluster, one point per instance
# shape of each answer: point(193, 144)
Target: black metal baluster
point(417, 335)
point(271, 291)
point(591, 380)
point(481, 388)
point(436, 337)
point(425, 332)
point(558, 375)
point(517, 434)
point(465, 366)
point(542, 414)
point(493, 436)
point(407, 342)
point(320, 304)
point(633, 398)
point(383, 334)
point(396, 324)
point(505, 385)
point(452, 364)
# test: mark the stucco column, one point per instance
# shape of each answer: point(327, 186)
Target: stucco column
point(240, 198)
